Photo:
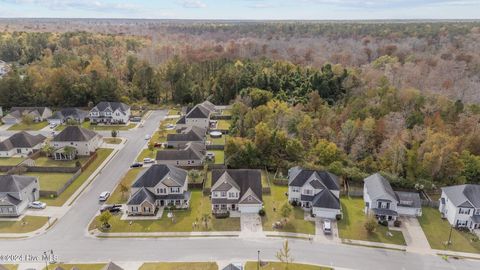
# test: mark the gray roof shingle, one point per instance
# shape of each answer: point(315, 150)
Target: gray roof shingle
point(299, 176)
point(199, 111)
point(190, 134)
point(378, 187)
point(244, 178)
point(192, 151)
point(75, 134)
point(464, 195)
point(66, 113)
point(158, 173)
point(15, 183)
point(140, 196)
point(102, 106)
point(21, 140)
point(326, 199)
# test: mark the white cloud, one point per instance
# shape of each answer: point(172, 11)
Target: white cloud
point(92, 5)
point(192, 4)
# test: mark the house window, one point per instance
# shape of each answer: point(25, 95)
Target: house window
point(308, 192)
point(477, 212)
point(295, 189)
point(464, 211)
point(224, 194)
point(232, 194)
point(175, 190)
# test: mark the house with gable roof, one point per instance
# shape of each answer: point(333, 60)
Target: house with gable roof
point(198, 116)
point(315, 190)
point(158, 186)
point(460, 205)
point(21, 143)
point(83, 140)
point(237, 190)
point(16, 192)
point(110, 113)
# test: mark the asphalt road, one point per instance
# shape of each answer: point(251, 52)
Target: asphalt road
point(70, 242)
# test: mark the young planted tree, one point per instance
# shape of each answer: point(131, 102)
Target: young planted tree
point(371, 224)
point(114, 133)
point(205, 219)
point(285, 211)
point(123, 189)
point(48, 149)
point(105, 219)
point(284, 255)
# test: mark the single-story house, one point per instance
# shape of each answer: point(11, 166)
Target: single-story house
point(21, 143)
point(64, 115)
point(186, 135)
point(192, 155)
point(16, 114)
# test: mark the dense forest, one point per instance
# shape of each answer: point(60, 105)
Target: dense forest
point(351, 98)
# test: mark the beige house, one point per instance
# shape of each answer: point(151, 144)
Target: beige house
point(84, 141)
point(192, 155)
point(21, 144)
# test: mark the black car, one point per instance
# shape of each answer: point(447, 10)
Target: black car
point(115, 208)
point(136, 165)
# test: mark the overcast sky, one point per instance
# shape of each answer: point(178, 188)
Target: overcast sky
point(244, 9)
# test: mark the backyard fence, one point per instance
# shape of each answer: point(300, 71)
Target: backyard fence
point(215, 147)
point(56, 193)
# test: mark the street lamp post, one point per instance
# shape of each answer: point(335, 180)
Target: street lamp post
point(450, 236)
point(258, 260)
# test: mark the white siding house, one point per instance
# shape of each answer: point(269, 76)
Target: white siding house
point(460, 205)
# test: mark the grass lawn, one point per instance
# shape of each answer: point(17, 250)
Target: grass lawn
point(184, 219)
point(174, 111)
point(112, 140)
point(223, 124)
point(10, 266)
point(437, 231)
point(34, 126)
point(296, 223)
point(87, 124)
point(48, 162)
point(117, 197)
point(27, 224)
point(217, 141)
point(219, 156)
point(352, 225)
point(146, 153)
point(51, 181)
point(102, 154)
point(11, 161)
point(180, 266)
point(97, 266)
point(281, 266)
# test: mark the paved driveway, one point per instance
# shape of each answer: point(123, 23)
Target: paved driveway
point(414, 236)
point(326, 238)
point(251, 225)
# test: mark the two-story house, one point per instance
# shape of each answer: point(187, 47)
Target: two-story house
point(158, 186)
point(198, 116)
point(21, 144)
point(317, 191)
point(237, 190)
point(16, 192)
point(110, 113)
point(460, 205)
point(386, 204)
point(82, 140)
point(186, 135)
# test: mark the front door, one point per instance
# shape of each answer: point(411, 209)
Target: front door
point(233, 207)
point(162, 202)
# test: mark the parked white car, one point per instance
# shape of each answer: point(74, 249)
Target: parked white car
point(148, 160)
point(37, 205)
point(104, 196)
point(327, 226)
point(147, 137)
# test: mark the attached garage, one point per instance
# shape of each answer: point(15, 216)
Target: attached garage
point(325, 212)
point(249, 208)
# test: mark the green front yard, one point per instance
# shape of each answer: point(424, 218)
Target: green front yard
point(272, 204)
point(352, 225)
point(184, 219)
point(33, 126)
point(27, 224)
point(96, 266)
point(117, 197)
point(147, 153)
point(11, 161)
point(51, 181)
point(102, 154)
point(48, 162)
point(180, 266)
point(437, 231)
point(282, 266)
point(112, 140)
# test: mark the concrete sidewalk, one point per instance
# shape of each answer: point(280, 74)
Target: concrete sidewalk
point(97, 233)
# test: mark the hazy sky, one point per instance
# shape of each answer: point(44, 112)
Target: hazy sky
point(244, 9)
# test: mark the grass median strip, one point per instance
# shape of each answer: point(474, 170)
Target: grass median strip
point(102, 154)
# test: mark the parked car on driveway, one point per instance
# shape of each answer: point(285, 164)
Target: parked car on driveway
point(327, 226)
point(37, 205)
point(147, 137)
point(148, 160)
point(136, 165)
point(104, 196)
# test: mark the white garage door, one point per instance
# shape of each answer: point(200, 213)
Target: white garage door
point(249, 208)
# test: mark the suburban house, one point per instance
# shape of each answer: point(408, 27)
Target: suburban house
point(192, 155)
point(112, 266)
point(198, 116)
point(16, 114)
point(66, 114)
point(110, 113)
point(237, 190)
point(159, 185)
point(233, 266)
point(82, 140)
point(16, 192)
point(460, 205)
point(317, 191)
point(186, 135)
point(386, 204)
point(21, 144)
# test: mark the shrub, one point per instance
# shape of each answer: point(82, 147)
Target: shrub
point(220, 215)
point(294, 203)
point(397, 223)
point(383, 222)
point(338, 217)
point(261, 212)
point(370, 225)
